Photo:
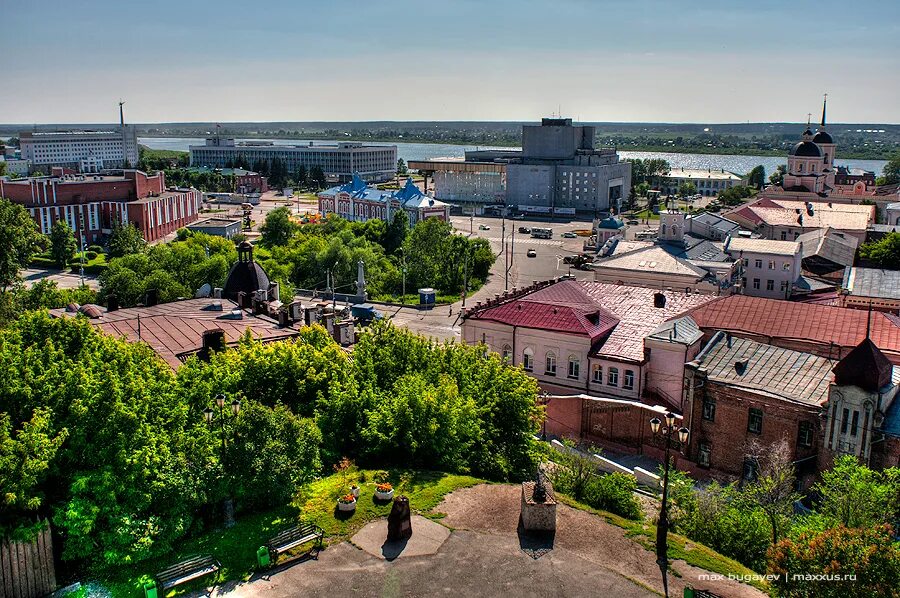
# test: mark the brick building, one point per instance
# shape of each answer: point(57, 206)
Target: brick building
point(93, 204)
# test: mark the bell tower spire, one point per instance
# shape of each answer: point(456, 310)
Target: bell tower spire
point(824, 103)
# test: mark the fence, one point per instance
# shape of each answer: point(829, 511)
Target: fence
point(26, 568)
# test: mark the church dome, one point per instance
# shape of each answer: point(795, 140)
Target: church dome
point(806, 149)
point(245, 275)
point(822, 137)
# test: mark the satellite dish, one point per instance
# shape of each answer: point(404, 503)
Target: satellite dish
point(203, 291)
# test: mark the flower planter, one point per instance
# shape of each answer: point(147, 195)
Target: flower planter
point(347, 506)
point(384, 495)
point(354, 490)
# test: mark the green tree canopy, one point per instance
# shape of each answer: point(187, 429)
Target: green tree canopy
point(278, 227)
point(777, 177)
point(883, 253)
point(126, 240)
point(890, 174)
point(62, 243)
point(687, 189)
point(757, 177)
point(19, 241)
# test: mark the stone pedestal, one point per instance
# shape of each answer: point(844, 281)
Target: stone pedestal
point(399, 523)
point(538, 516)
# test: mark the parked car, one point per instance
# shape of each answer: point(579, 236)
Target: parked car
point(483, 227)
point(569, 235)
point(524, 230)
point(519, 217)
point(532, 253)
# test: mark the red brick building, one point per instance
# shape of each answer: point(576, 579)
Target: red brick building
point(93, 204)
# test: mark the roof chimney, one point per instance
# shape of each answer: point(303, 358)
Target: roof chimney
point(112, 302)
point(213, 340)
point(151, 297)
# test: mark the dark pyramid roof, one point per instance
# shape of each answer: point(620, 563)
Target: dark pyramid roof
point(865, 366)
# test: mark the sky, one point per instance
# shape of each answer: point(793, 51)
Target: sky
point(702, 61)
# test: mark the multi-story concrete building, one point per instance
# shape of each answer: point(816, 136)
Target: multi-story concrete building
point(707, 182)
point(767, 268)
point(16, 166)
point(92, 205)
point(557, 171)
point(338, 161)
point(82, 151)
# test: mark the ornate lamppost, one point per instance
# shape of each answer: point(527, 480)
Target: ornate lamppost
point(209, 415)
point(662, 527)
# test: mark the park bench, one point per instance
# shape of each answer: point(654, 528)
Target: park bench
point(185, 571)
point(288, 539)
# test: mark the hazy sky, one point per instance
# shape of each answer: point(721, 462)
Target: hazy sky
point(596, 60)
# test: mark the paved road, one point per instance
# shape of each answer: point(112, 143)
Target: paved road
point(64, 280)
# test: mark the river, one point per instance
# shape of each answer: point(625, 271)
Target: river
point(429, 151)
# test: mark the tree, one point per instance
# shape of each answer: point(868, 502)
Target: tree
point(302, 176)
point(317, 177)
point(777, 177)
point(278, 227)
point(837, 562)
point(757, 177)
point(19, 241)
point(773, 489)
point(2, 167)
point(890, 174)
point(62, 243)
point(401, 167)
point(855, 496)
point(396, 232)
point(126, 240)
point(883, 253)
point(687, 189)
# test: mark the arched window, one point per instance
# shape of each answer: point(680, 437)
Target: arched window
point(528, 359)
point(574, 367)
point(662, 229)
point(507, 353)
point(674, 230)
point(612, 378)
point(598, 374)
point(550, 364)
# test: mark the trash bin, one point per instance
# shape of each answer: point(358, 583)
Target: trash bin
point(149, 589)
point(262, 557)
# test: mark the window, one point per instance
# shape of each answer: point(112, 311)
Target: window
point(612, 378)
point(771, 264)
point(784, 286)
point(770, 285)
point(574, 367)
point(784, 235)
point(550, 365)
point(804, 434)
point(507, 353)
point(756, 283)
point(709, 409)
point(855, 423)
point(528, 359)
point(786, 266)
point(796, 235)
point(754, 421)
point(703, 454)
point(628, 381)
point(746, 262)
point(757, 263)
point(844, 421)
point(598, 374)
point(751, 468)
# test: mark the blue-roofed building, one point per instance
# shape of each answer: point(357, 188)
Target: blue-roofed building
point(359, 202)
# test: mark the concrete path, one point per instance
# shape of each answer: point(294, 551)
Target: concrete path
point(427, 539)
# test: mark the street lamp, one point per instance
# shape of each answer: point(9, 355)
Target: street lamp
point(662, 527)
point(209, 415)
point(545, 400)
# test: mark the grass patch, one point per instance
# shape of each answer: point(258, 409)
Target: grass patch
point(646, 214)
point(316, 503)
point(682, 548)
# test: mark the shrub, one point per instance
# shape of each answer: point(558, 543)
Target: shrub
point(614, 492)
point(90, 255)
point(96, 248)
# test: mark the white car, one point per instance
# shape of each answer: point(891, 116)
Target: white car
point(484, 227)
point(569, 235)
point(532, 253)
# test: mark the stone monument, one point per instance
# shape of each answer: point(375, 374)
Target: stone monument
point(399, 524)
point(538, 504)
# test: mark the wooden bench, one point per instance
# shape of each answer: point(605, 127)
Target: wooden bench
point(185, 571)
point(294, 537)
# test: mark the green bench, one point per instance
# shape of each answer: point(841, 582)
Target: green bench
point(182, 572)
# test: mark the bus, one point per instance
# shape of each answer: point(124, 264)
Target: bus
point(542, 233)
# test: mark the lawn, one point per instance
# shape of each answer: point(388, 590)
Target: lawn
point(315, 503)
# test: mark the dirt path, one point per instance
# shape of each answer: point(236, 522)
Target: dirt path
point(495, 509)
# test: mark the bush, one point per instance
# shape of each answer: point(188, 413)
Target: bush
point(614, 492)
point(90, 255)
point(96, 248)
point(43, 262)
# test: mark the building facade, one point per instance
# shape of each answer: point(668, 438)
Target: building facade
point(358, 202)
point(374, 163)
point(558, 170)
point(82, 151)
point(707, 182)
point(93, 205)
point(767, 268)
point(783, 219)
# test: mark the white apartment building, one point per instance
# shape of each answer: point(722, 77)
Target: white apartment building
point(83, 151)
point(767, 268)
point(708, 182)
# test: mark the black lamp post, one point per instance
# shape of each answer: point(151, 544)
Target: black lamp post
point(545, 399)
point(662, 527)
point(209, 416)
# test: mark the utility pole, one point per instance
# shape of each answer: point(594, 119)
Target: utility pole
point(465, 277)
point(503, 244)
